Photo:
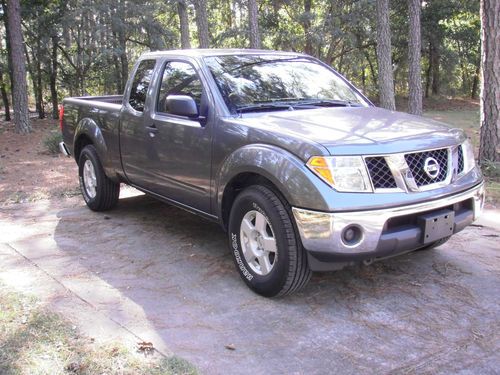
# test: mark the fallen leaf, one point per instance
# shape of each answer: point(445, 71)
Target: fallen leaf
point(230, 347)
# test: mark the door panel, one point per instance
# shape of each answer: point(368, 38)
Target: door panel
point(134, 138)
point(179, 153)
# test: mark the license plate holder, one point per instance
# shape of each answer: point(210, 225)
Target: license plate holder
point(436, 225)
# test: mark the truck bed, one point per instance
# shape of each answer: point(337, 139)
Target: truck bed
point(96, 100)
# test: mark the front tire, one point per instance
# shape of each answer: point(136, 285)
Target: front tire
point(99, 192)
point(266, 249)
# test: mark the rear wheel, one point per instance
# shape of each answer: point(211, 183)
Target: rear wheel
point(266, 249)
point(99, 192)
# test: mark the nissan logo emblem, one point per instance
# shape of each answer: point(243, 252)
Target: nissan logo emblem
point(431, 167)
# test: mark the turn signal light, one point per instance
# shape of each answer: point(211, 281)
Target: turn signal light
point(320, 166)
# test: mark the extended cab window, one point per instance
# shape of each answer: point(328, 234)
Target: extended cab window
point(140, 84)
point(179, 78)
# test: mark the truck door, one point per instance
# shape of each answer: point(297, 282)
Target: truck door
point(134, 136)
point(178, 149)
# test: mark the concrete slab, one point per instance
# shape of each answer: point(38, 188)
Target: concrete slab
point(167, 276)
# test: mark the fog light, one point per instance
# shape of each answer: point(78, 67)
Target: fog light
point(352, 235)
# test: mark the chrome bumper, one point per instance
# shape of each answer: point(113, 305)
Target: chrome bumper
point(321, 232)
point(63, 149)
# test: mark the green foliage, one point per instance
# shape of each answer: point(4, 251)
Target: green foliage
point(96, 42)
point(491, 169)
point(51, 142)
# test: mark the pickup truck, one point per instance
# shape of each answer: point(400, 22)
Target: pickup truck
point(299, 168)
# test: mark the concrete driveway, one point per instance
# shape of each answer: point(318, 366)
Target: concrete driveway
point(150, 271)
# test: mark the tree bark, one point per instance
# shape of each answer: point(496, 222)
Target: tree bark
point(21, 116)
point(122, 39)
point(53, 79)
point(184, 24)
point(253, 20)
point(308, 48)
point(384, 58)
point(5, 96)
point(489, 148)
point(435, 59)
point(475, 81)
point(7, 46)
point(414, 57)
point(202, 23)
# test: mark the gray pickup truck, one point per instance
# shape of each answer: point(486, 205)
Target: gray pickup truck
point(299, 168)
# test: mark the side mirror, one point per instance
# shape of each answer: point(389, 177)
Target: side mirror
point(182, 105)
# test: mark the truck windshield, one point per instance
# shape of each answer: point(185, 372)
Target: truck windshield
point(277, 82)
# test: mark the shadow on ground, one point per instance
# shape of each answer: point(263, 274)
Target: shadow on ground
point(434, 311)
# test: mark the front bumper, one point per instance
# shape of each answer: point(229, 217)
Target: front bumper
point(383, 232)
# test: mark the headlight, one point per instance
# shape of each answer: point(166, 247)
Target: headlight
point(343, 173)
point(469, 159)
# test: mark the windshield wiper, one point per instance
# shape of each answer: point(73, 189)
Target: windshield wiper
point(263, 107)
point(326, 103)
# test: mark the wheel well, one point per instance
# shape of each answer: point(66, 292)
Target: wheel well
point(80, 143)
point(239, 183)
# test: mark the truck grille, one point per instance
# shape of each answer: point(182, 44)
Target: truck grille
point(416, 163)
point(461, 165)
point(380, 173)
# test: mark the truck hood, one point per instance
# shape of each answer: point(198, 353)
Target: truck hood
point(359, 130)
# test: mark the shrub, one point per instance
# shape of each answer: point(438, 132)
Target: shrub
point(51, 142)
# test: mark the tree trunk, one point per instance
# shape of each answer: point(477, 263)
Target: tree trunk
point(21, 117)
point(122, 38)
point(7, 46)
point(39, 83)
point(475, 80)
point(435, 59)
point(5, 97)
point(202, 23)
point(184, 24)
point(253, 19)
point(489, 148)
point(414, 57)
point(308, 48)
point(53, 79)
point(384, 58)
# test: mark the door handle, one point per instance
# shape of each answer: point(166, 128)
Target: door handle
point(152, 130)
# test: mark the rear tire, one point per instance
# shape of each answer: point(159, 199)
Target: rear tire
point(99, 192)
point(266, 249)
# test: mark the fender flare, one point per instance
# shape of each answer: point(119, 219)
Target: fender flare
point(299, 186)
point(89, 128)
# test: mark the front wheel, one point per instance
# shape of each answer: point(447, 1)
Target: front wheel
point(99, 192)
point(266, 249)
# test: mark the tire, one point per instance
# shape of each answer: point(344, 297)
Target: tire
point(257, 218)
point(433, 245)
point(101, 194)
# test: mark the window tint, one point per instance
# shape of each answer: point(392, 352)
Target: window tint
point(140, 84)
point(179, 78)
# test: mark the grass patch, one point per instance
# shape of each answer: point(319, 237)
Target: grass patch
point(36, 341)
point(51, 142)
point(468, 120)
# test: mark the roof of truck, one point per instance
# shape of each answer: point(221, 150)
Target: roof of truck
point(195, 52)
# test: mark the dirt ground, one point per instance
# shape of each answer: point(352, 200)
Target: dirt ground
point(150, 272)
point(27, 171)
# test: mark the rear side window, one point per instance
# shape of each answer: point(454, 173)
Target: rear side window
point(179, 78)
point(140, 84)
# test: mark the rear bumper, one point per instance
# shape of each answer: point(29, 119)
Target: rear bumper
point(64, 150)
point(382, 232)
